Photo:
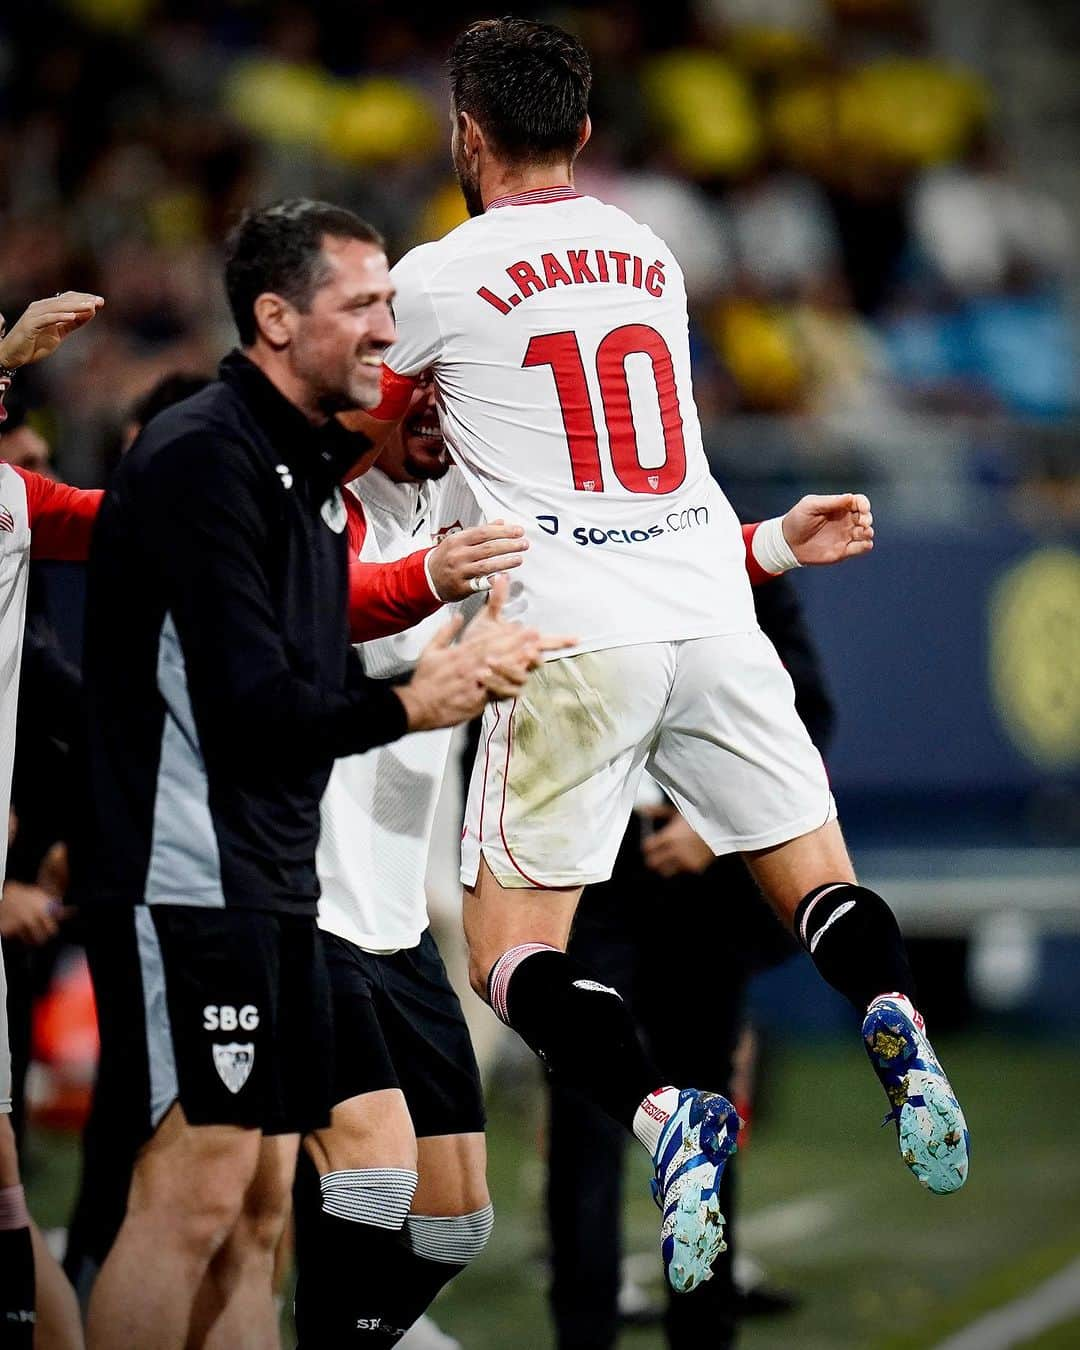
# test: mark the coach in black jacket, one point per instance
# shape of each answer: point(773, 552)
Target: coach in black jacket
point(221, 685)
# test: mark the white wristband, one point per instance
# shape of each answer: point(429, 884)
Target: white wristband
point(771, 550)
point(427, 573)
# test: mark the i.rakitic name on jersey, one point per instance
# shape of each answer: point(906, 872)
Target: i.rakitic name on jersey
point(576, 267)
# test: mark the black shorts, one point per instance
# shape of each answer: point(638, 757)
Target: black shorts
point(398, 1024)
point(225, 1010)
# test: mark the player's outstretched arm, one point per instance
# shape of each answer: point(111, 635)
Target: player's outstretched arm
point(830, 529)
point(61, 518)
point(42, 327)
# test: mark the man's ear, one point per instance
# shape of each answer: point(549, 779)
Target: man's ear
point(274, 318)
point(470, 135)
point(584, 134)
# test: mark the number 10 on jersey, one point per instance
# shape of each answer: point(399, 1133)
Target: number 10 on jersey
point(562, 352)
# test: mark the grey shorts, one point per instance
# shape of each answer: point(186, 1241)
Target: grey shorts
point(5, 1045)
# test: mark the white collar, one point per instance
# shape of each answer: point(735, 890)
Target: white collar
point(406, 502)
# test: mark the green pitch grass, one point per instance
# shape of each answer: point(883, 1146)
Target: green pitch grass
point(827, 1207)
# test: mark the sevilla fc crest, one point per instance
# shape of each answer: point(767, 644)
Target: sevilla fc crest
point(234, 1063)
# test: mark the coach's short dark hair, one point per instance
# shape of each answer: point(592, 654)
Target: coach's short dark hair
point(279, 248)
point(526, 84)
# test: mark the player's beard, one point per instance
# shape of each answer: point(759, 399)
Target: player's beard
point(469, 182)
point(425, 468)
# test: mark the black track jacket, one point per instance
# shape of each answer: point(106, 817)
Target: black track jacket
point(220, 682)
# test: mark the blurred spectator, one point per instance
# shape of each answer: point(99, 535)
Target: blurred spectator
point(24, 445)
point(785, 235)
point(982, 232)
point(825, 176)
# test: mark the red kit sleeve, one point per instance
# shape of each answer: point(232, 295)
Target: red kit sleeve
point(754, 569)
point(396, 392)
point(384, 598)
point(61, 517)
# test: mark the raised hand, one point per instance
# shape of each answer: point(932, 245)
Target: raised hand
point(44, 325)
point(511, 651)
point(448, 685)
point(822, 530)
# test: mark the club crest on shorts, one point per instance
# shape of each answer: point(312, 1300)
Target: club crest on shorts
point(234, 1063)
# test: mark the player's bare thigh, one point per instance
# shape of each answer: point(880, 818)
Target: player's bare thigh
point(787, 872)
point(453, 1174)
point(193, 1168)
point(373, 1129)
point(497, 918)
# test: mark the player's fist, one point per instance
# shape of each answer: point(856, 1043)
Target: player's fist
point(821, 530)
point(44, 325)
point(461, 563)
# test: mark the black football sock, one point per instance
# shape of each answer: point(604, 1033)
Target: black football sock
point(855, 942)
point(362, 1285)
point(581, 1029)
point(17, 1308)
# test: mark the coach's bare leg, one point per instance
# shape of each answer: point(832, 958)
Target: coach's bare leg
point(498, 918)
point(789, 871)
point(453, 1175)
point(242, 1272)
point(58, 1326)
point(187, 1194)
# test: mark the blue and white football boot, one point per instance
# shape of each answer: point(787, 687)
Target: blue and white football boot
point(695, 1143)
point(933, 1134)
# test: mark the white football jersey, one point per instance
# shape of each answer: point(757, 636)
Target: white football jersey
point(14, 576)
point(556, 327)
point(378, 808)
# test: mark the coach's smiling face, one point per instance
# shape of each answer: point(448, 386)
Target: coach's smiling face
point(333, 347)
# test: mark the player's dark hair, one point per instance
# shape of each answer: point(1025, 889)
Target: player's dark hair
point(279, 248)
point(168, 390)
point(526, 84)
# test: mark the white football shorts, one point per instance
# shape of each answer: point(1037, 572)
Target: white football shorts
point(714, 721)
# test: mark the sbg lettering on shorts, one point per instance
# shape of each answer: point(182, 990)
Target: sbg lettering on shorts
point(674, 522)
point(226, 1017)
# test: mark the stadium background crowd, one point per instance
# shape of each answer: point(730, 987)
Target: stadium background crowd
point(861, 252)
point(874, 204)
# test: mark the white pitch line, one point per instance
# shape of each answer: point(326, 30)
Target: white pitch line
point(784, 1224)
point(1052, 1302)
point(790, 1221)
